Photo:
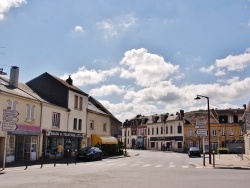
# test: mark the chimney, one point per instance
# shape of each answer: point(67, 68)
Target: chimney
point(69, 81)
point(14, 74)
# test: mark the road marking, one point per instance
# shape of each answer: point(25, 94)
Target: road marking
point(134, 165)
point(185, 166)
point(171, 166)
point(158, 166)
point(122, 165)
point(146, 165)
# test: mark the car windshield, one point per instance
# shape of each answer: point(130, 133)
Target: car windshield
point(194, 149)
point(85, 149)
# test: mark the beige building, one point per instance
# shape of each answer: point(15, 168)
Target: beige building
point(17, 98)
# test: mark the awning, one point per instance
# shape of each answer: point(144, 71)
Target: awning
point(97, 139)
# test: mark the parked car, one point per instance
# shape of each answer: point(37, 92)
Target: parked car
point(89, 154)
point(194, 151)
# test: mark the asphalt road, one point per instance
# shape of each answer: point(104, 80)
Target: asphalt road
point(147, 169)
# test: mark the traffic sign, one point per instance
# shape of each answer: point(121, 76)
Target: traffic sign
point(9, 126)
point(9, 119)
point(201, 132)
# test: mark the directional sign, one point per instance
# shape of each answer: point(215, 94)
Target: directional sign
point(9, 126)
point(9, 119)
point(12, 113)
point(201, 132)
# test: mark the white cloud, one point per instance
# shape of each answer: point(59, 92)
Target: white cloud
point(107, 90)
point(146, 68)
point(6, 5)
point(230, 63)
point(114, 26)
point(78, 28)
point(88, 77)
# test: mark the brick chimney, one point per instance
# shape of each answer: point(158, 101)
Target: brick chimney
point(14, 74)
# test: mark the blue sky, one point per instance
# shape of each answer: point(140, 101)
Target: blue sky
point(135, 56)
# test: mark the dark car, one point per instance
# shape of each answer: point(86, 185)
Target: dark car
point(89, 154)
point(194, 151)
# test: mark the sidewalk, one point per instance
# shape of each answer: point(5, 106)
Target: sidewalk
point(225, 161)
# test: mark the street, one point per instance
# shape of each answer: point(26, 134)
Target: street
point(143, 168)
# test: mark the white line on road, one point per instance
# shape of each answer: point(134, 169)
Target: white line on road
point(158, 166)
point(146, 165)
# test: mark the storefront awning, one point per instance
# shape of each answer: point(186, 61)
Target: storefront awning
point(97, 139)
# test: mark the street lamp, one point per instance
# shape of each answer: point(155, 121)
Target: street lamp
point(208, 119)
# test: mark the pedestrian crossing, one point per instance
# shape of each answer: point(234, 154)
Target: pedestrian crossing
point(139, 164)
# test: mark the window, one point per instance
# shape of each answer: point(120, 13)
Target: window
point(240, 132)
point(214, 133)
point(76, 102)
point(190, 132)
point(223, 132)
point(75, 124)
point(30, 112)
point(161, 130)
point(157, 130)
point(171, 129)
point(190, 144)
point(105, 127)
point(166, 129)
point(231, 132)
point(11, 105)
point(148, 131)
point(56, 120)
point(179, 129)
point(91, 125)
point(152, 131)
point(128, 132)
point(80, 103)
point(80, 124)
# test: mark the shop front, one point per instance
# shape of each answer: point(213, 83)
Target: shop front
point(108, 144)
point(22, 143)
point(167, 142)
point(70, 141)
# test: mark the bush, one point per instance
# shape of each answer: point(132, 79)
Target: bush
point(222, 150)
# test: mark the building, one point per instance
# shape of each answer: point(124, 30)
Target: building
point(17, 98)
point(67, 123)
point(99, 128)
point(225, 129)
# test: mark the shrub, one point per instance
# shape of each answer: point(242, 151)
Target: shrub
point(222, 150)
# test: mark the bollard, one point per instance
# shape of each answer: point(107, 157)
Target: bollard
point(55, 160)
point(26, 159)
point(75, 156)
point(41, 158)
point(204, 159)
point(68, 157)
point(213, 159)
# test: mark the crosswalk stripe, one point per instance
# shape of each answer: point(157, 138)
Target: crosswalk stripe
point(171, 166)
point(146, 165)
point(158, 166)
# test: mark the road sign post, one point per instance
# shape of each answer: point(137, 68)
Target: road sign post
point(8, 124)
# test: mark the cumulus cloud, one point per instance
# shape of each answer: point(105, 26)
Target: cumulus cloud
point(146, 68)
point(230, 63)
point(107, 90)
point(113, 26)
point(6, 5)
point(84, 76)
point(78, 28)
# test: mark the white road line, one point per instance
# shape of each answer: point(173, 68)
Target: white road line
point(185, 166)
point(171, 166)
point(134, 165)
point(146, 165)
point(122, 165)
point(158, 166)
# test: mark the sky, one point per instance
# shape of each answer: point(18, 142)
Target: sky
point(135, 56)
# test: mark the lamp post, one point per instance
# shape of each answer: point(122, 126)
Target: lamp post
point(208, 119)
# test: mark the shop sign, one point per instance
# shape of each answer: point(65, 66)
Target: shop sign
point(64, 134)
point(9, 119)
